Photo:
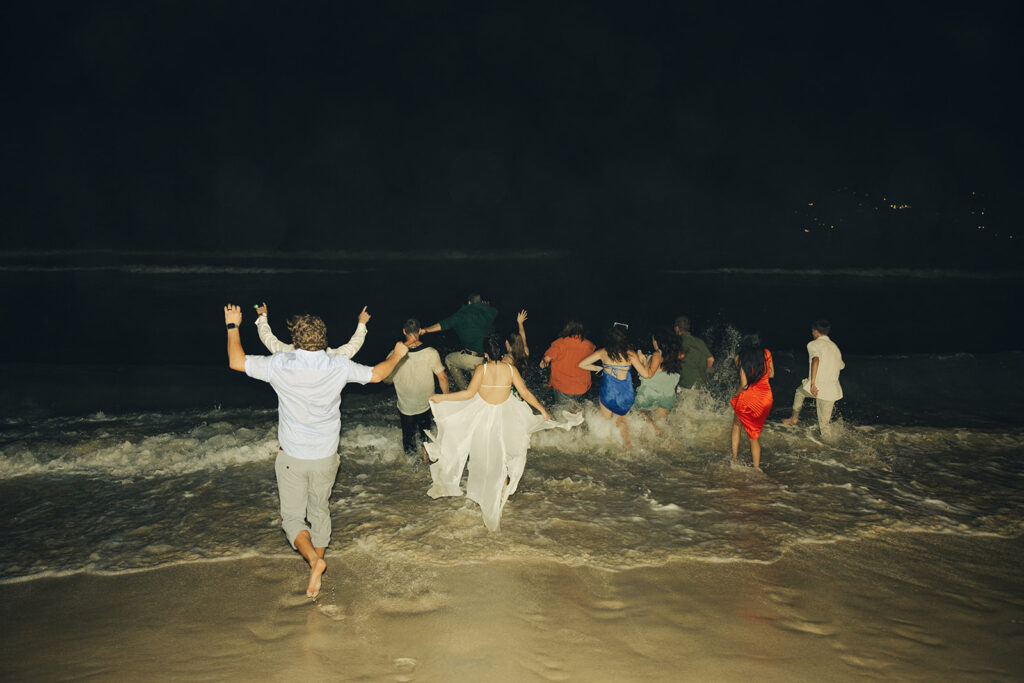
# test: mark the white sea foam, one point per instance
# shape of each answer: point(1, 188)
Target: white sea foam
point(118, 494)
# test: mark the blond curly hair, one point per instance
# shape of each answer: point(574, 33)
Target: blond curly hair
point(308, 332)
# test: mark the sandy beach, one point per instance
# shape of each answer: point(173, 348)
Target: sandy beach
point(899, 607)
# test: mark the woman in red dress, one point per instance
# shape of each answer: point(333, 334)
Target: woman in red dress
point(753, 401)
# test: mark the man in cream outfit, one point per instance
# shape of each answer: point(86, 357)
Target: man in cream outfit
point(822, 383)
point(275, 345)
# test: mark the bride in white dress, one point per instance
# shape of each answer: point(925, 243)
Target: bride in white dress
point(491, 428)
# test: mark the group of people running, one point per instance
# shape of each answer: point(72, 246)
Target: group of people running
point(487, 422)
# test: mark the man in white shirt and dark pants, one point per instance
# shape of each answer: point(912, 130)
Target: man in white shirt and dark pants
point(308, 383)
point(822, 383)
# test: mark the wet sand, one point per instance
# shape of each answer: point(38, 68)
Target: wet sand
point(897, 607)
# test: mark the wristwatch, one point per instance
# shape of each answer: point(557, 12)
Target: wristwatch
point(230, 326)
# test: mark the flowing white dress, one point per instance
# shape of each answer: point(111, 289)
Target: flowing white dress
point(494, 439)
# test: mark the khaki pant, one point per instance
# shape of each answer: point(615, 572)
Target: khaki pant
point(458, 363)
point(304, 487)
point(824, 408)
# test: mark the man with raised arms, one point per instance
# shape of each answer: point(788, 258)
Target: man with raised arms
point(472, 322)
point(822, 383)
point(275, 345)
point(308, 383)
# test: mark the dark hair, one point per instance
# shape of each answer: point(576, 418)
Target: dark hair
point(821, 325)
point(683, 323)
point(573, 328)
point(517, 349)
point(474, 298)
point(412, 327)
point(616, 344)
point(494, 346)
point(670, 348)
point(751, 357)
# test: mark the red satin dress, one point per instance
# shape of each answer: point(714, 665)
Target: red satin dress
point(753, 404)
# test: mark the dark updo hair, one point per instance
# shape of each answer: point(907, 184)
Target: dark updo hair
point(494, 346)
point(616, 344)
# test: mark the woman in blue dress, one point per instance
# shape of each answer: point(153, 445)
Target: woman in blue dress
point(617, 362)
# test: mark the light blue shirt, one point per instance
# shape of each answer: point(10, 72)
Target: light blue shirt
point(308, 386)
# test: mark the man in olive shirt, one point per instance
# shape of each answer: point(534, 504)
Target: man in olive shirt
point(697, 361)
point(472, 322)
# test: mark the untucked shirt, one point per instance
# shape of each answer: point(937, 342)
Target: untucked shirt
point(693, 368)
point(414, 379)
point(308, 386)
point(566, 375)
point(830, 362)
point(472, 323)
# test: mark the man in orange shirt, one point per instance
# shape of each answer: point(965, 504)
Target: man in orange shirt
point(567, 379)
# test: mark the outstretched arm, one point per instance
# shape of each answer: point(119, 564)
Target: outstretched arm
point(520, 385)
point(521, 318)
point(436, 327)
point(236, 356)
point(467, 393)
point(353, 345)
point(273, 344)
point(588, 363)
point(385, 367)
point(642, 368)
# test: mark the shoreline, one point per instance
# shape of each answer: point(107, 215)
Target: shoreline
point(898, 605)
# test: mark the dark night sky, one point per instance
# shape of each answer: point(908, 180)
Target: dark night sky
point(210, 126)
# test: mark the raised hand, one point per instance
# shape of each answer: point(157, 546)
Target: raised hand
point(521, 317)
point(364, 317)
point(232, 314)
point(261, 310)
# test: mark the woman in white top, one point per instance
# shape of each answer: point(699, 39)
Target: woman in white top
point(490, 428)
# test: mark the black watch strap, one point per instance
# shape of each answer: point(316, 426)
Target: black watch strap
point(230, 326)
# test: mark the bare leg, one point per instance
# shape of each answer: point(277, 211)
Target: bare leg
point(755, 451)
point(798, 402)
point(736, 426)
point(647, 416)
point(315, 558)
point(620, 420)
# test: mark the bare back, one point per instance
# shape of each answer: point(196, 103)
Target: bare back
point(496, 382)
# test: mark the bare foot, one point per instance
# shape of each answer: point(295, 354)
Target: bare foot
point(316, 571)
point(791, 421)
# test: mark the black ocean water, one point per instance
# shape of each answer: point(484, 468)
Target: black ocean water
point(126, 443)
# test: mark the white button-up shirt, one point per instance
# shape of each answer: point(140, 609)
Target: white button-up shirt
point(830, 362)
point(308, 386)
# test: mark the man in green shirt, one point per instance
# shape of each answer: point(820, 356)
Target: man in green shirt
point(472, 322)
point(697, 361)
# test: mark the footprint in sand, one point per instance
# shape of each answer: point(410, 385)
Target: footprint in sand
point(916, 635)
point(547, 668)
point(334, 612)
point(607, 609)
point(405, 667)
point(803, 626)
